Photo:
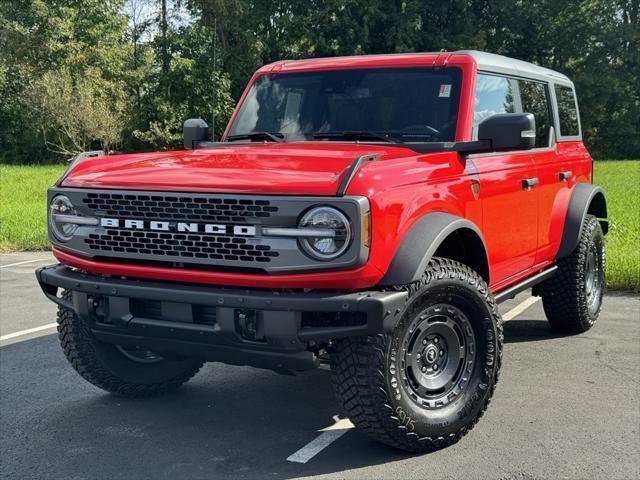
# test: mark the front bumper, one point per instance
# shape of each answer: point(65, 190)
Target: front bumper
point(261, 328)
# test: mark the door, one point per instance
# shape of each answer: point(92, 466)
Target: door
point(509, 194)
point(554, 172)
point(508, 188)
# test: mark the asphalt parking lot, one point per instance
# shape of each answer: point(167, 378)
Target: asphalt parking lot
point(565, 407)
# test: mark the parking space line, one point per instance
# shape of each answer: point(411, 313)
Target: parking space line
point(24, 262)
point(28, 331)
point(328, 436)
point(517, 310)
point(342, 426)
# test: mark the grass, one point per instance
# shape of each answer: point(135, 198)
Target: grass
point(23, 205)
point(621, 182)
point(23, 214)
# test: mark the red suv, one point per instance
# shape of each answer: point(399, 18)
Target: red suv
point(370, 212)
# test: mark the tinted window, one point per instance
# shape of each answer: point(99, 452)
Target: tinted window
point(535, 99)
point(567, 111)
point(412, 104)
point(493, 95)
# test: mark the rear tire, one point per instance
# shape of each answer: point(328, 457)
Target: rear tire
point(127, 372)
point(572, 298)
point(424, 385)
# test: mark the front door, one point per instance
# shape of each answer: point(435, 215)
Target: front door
point(508, 184)
point(509, 212)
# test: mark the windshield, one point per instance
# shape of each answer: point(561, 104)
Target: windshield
point(403, 104)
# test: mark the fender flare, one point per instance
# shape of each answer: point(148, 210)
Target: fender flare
point(586, 198)
point(421, 243)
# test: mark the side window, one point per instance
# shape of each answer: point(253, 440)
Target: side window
point(493, 95)
point(535, 99)
point(567, 111)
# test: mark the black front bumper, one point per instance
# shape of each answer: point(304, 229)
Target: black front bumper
point(262, 328)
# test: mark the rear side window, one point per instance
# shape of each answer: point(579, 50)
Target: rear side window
point(567, 111)
point(493, 95)
point(535, 99)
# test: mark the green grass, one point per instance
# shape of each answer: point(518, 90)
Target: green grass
point(23, 214)
point(621, 182)
point(23, 205)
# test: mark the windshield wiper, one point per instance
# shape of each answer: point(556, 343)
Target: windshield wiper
point(274, 137)
point(349, 135)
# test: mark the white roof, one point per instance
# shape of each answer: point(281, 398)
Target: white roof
point(490, 62)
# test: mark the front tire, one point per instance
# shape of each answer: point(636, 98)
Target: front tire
point(572, 298)
point(424, 385)
point(124, 371)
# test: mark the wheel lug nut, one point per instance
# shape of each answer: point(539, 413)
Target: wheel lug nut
point(418, 356)
point(436, 340)
point(442, 353)
point(424, 369)
point(435, 366)
point(424, 341)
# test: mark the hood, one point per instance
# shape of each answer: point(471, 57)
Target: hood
point(302, 168)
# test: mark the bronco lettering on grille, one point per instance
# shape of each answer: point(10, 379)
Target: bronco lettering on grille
point(163, 226)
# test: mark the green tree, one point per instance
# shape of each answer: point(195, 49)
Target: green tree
point(154, 63)
point(83, 39)
point(89, 119)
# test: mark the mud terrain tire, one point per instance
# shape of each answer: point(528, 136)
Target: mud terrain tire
point(377, 378)
point(114, 370)
point(572, 298)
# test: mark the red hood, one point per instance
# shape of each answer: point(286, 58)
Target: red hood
point(287, 169)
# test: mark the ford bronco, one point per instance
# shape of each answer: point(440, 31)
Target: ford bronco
point(368, 212)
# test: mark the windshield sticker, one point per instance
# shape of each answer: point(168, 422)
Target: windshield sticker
point(445, 90)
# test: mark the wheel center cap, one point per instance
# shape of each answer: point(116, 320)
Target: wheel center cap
point(430, 354)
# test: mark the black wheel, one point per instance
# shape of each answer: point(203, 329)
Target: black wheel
point(425, 384)
point(572, 298)
point(125, 371)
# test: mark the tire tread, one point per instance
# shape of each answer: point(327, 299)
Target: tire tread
point(362, 389)
point(562, 295)
point(78, 346)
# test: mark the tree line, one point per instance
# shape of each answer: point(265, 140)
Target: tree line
point(123, 75)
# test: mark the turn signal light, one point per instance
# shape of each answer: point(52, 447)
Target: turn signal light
point(366, 229)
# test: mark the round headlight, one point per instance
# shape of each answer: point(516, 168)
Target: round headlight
point(333, 233)
point(60, 208)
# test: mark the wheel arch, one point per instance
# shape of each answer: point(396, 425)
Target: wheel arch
point(437, 234)
point(586, 199)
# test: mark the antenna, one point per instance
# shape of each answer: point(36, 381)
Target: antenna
point(213, 97)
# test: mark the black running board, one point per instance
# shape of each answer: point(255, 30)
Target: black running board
point(512, 291)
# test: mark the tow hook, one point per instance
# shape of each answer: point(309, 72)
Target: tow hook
point(249, 325)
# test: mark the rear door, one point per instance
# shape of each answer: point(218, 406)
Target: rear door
point(553, 171)
point(507, 187)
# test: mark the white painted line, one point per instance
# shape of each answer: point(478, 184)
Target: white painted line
point(335, 431)
point(25, 262)
point(328, 436)
point(28, 331)
point(515, 311)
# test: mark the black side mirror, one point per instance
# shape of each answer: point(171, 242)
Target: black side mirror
point(509, 131)
point(194, 131)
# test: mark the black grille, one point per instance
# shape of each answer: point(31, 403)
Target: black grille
point(152, 309)
point(189, 245)
point(178, 208)
point(207, 231)
point(146, 308)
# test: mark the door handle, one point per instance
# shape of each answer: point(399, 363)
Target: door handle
point(566, 175)
point(529, 182)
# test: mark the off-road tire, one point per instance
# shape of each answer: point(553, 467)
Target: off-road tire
point(109, 369)
point(565, 296)
point(366, 372)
